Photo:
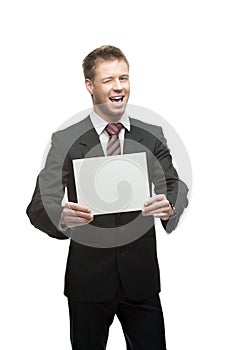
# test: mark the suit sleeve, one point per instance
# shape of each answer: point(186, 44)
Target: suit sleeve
point(166, 181)
point(45, 207)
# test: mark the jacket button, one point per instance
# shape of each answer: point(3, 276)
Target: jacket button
point(122, 250)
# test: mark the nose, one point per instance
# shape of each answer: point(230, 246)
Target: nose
point(117, 85)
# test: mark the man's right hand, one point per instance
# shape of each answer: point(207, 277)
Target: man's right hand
point(75, 214)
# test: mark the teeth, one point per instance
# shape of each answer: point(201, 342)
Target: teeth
point(117, 98)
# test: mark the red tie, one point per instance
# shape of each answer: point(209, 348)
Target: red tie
point(113, 146)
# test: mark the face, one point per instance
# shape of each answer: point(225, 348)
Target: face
point(110, 89)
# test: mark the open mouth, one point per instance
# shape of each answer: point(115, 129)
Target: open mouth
point(117, 99)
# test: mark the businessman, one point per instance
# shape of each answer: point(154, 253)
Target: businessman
point(112, 266)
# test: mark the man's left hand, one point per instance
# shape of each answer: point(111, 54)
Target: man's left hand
point(158, 206)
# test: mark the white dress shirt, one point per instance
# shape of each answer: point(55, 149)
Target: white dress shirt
point(100, 124)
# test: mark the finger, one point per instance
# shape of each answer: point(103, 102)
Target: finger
point(71, 212)
point(157, 198)
point(75, 221)
point(159, 210)
point(84, 215)
point(150, 213)
point(76, 206)
point(163, 216)
point(74, 213)
point(162, 205)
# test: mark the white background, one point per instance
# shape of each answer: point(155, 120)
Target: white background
point(181, 67)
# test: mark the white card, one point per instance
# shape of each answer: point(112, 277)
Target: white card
point(112, 184)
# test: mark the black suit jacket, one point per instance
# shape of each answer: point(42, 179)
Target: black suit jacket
point(98, 256)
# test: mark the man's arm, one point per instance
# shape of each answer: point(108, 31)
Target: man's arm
point(45, 210)
point(171, 198)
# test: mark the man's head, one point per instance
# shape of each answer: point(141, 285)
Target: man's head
point(106, 72)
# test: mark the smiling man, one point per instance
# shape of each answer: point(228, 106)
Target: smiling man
point(109, 88)
point(105, 280)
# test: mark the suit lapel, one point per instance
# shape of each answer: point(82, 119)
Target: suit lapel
point(89, 142)
point(133, 140)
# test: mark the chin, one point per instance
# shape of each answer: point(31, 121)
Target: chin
point(115, 110)
point(111, 112)
point(117, 114)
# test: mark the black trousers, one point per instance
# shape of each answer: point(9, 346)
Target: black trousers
point(142, 323)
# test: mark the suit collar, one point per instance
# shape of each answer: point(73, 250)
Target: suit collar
point(100, 124)
point(90, 143)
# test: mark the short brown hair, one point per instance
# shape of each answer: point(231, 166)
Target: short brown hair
point(102, 53)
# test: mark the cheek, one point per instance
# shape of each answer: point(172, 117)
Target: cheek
point(100, 97)
point(102, 94)
point(128, 87)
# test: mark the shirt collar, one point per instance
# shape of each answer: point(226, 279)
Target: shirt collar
point(100, 124)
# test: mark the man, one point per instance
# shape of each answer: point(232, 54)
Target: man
point(105, 277)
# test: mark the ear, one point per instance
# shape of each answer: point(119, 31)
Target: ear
point(89, 85)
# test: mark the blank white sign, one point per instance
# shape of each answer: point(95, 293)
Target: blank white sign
point(112, 184)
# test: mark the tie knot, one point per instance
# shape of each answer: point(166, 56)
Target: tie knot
point(113, 128)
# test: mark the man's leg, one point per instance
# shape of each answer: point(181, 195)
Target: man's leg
point(89, 324)
point(142, 323)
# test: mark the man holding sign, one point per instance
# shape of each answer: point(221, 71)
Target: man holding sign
point(112, 266)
